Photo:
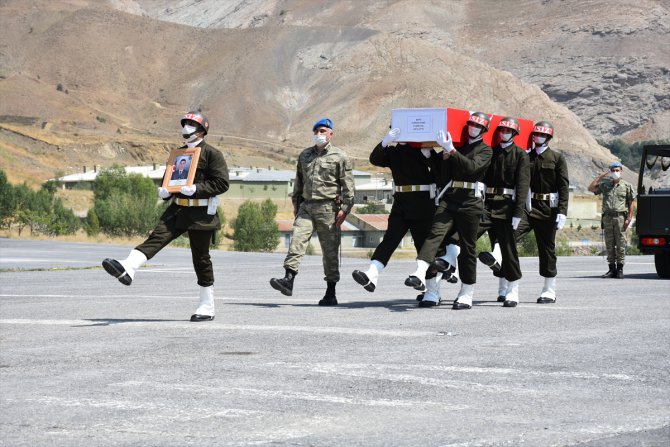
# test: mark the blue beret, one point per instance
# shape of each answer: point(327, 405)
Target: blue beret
point(326, 122)
point(616, 164)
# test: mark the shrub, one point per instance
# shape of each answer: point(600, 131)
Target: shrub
point(126, 204)
point(255, 228)
point(92, 223)
point(371, 208)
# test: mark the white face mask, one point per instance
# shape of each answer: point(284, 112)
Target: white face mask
point(320, 140)
point(616, 175)
point(474, 132)
point(506, 136)
point(188, 132)
point(539, 140)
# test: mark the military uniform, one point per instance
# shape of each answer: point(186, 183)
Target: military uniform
point(460, 207)
point(549, 186)
point(189, 214)
point(322, 178)
point(617, 197)
point(507, 180)
point(415, 178)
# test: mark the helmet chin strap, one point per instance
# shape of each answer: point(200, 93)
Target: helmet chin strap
point(191, 137)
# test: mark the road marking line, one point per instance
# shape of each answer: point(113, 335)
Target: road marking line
point(292, 395)
point(232, 327)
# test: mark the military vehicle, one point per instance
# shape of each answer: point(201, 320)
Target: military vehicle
point(653, 206)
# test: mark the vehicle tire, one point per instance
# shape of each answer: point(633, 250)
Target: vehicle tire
point(662, 261)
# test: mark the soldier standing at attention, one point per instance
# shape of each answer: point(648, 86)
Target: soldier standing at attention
point(618, 203)
point(323, 195)
point(460, 207)
point(193, 210)
point(549, 189)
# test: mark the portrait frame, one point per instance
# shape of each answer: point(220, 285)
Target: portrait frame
point(174, 179)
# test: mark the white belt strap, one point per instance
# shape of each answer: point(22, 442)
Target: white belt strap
point(552, 197)
point(478, 187)
point(501, 191)
point(191, 202)
point(432, 188)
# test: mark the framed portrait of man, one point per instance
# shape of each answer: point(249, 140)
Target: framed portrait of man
point(180, 168)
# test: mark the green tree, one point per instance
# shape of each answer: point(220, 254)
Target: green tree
point(255, 228)
point(41, 211)
point(64, 220)
point(7, 200)
point(125, 204)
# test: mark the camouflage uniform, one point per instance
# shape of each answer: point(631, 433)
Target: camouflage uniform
point(321, 178)
point(617, 197)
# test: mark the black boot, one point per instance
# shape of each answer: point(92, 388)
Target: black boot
point(611, 273)
point(329, 298)
point(285, 284)
point(619, 271)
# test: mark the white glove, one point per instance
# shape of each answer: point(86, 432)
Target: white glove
point(445, 141)
point(163, 193)
point(515, 222)
point(560, 221)
point(391, 136)
point(188, 190)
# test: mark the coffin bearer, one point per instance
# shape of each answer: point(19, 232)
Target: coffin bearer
point(618, 204)
point(415, 172)
point(193, 210)
point(549, 188)
point(460, 207)
point(507, 180)
point(322, 197)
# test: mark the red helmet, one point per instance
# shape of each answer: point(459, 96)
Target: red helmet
point(480, 118)
point(509, 122)
point(544, 127)
point(198, 118)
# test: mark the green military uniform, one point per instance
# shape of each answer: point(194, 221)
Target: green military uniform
point(507, 180)
point(460, 209)
point(322, 177)
point(548, 174)
point(211, 179)
point(617, 197)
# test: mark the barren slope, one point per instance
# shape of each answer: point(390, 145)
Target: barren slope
point(127, 77)
point(606, 60)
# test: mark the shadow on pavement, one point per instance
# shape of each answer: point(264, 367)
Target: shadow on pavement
point(110, 321)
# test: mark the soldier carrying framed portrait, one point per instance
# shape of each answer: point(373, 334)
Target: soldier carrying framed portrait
point(180, 168)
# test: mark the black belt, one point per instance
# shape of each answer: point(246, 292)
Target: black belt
point(616, 213)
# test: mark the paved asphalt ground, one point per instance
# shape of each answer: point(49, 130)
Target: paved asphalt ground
point(85, 360)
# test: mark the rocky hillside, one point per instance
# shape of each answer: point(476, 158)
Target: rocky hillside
point(608, 61)
point(118, 73)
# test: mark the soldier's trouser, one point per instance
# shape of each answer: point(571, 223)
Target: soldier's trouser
point(319, 216)
point(545, 236)
point(615, 237)
point(396, 231)
point(166, 232)
point(501, 231)
point(466, 224)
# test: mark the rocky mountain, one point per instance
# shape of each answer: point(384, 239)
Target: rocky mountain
point(608, 61)
point(117, 74)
